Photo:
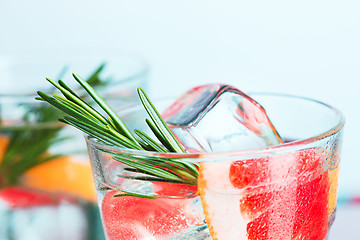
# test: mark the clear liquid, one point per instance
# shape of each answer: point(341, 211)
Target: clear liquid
point(140, 218)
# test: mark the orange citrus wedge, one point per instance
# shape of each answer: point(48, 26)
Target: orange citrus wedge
point(4, 142)
point(333, 180)
point(67, 174)
point(221, 202)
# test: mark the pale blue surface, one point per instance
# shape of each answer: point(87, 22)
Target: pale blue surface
point(346, 225)
point(308, 48)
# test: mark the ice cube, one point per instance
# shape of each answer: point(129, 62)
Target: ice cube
point(220, 118)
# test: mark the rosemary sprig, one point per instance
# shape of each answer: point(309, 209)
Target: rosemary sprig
point(110, 129)
point(162, 129)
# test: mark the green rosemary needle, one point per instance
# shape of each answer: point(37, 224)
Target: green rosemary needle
point(112, 130)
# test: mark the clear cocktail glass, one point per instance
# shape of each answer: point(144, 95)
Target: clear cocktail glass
point(288, 191)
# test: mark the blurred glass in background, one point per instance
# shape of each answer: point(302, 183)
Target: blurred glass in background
point(46, 186)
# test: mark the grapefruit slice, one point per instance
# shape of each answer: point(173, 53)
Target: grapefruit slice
point(278, 197)
point(19, 197)
point(174, 190)
point(127, 218)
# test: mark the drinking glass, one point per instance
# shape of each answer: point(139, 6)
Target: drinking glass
point(287, 191)
point(46, 185)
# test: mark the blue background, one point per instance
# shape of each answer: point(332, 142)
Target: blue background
point(309, 48)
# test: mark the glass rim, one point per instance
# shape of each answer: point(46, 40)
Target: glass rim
point(234, 155)
point(27, 96)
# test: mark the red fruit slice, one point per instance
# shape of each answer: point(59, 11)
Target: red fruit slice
point(277, 197)
point(312, 216)
point(273, 224)
point(298, 212)
point(261, 171)
point(284, 202)
point(258, 228)
point(252, 175)
point(247, 173)
point(173, 189)
point(308, 165)
point(141, 218)
point(254, 204)
point(18, 197)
